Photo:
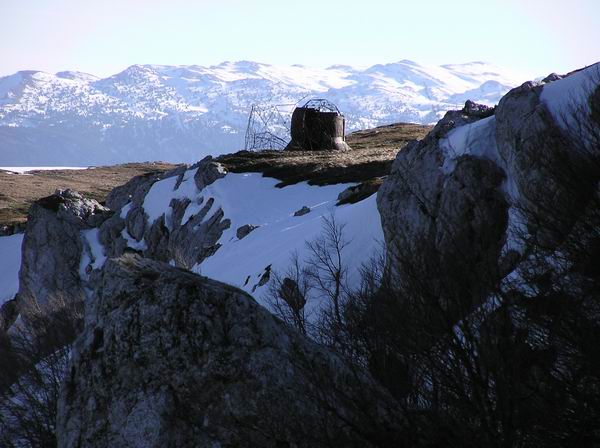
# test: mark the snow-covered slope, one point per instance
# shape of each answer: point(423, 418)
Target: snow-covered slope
point(251, 199)
point(181, 113)
point(186, 211)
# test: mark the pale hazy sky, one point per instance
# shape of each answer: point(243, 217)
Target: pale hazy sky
point(533, 37)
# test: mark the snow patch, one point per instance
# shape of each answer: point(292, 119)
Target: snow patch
point(124, 210)
point(477, 139)
point(132, 242)
point(567, 98)
point(92, 255)
point(10, 263)
point(252, 199)
point(158, 199)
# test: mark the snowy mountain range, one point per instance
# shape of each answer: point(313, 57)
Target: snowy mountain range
point(181, 113)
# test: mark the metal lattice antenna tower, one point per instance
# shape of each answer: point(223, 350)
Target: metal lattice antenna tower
point(268, 126)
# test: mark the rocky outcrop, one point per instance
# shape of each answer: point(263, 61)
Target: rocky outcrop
point(473, 109)
point(135, 188)
point(133, 193)
point(244, 231)
point(459, 206)
point(357, 193)
point(302, 211)
point(207, 172)
point(52, 247)
point(166, 238)
point(547, 164)
point(168, 358)
point(433, 218)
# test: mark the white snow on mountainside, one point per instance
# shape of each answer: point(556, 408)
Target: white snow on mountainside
point(250, 198)
point(182, 113)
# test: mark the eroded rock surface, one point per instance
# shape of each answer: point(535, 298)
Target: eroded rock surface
point(166, 238)
point(52, 247)
point(168, 358)
point(433, 217)
point(459, 205)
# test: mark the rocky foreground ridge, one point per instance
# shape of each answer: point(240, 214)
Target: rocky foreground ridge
point(168, 358)
point(229, 373)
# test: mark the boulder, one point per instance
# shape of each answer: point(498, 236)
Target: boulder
point(444, 229)
point(208, 172)
point(478, 110)
point(546, 163)
point(303, 211)
point(169, 358)
point(244, 230)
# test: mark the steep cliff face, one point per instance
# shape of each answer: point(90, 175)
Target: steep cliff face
point(168, 358)
point(459, 205)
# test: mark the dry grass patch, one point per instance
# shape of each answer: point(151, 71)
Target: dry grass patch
point(18, 191)
point(372, 154)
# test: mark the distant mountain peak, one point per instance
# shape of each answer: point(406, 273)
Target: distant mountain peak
point(181, 113)
point(73, 75)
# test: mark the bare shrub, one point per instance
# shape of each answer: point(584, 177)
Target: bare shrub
point(288, 295)
point(37, 352)
point(320, 278)
point(328, 274)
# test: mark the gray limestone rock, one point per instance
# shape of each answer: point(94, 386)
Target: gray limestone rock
point(136, 187)
point(547, 164)
point(551, 77)
point(168, 238)
point(208, 172)
point(478, 110)
point(303, 211)
point(52, 247)
point(445, 223)
point(168, 358)
point(244, 230)
point(444, 228)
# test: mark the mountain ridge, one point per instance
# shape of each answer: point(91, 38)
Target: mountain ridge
point(181, 113)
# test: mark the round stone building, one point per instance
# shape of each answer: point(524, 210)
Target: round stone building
point(318, 126)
